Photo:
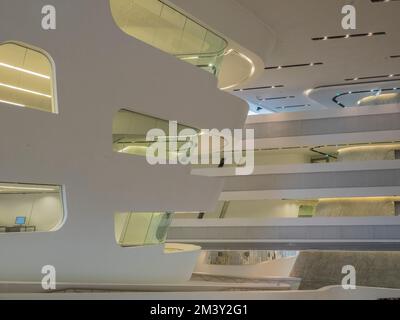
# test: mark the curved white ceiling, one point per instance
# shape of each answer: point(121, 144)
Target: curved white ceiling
point(295, 23)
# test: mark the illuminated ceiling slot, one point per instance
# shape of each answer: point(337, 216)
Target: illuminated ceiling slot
point(349, 36)
point(311, 64)
point(26, 78)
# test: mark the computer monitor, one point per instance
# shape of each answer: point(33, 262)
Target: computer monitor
point(20, 221)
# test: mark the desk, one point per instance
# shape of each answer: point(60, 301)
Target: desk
point(4, 229)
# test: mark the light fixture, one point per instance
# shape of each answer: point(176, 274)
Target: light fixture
point(251, 63)
point(12, 103)
point(190, 58)
point(26, 188)
point(299, 65)
point(308, 92)
point(348, 36)
point(5, 65)
point(24, 90)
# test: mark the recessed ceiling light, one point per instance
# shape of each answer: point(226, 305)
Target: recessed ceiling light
point(347, 36)
point(307, 92)
point(12, 103)
point(294, 66)
point(24, 90)
point(5, 65)
point(373, 77)
point(259, 88)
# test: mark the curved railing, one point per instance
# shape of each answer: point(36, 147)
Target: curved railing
point(135, 229)
point(163, 27)
point(130, 130)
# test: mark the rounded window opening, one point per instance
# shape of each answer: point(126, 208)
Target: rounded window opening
point(162, 26)
point(30, 208)
point(26, 78)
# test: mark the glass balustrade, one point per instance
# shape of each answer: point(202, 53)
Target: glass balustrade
point(135, 229)
point(163, 27)
point(130, 131)
point(388, 206)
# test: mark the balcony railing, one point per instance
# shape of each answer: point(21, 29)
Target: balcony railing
point(165, 28)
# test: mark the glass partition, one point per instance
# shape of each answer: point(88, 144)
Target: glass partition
point(163, 27)
point(130, 130)
point(141, 228)
point(250, 257)
point(301, 208)
point(26, 78)
point(325, 154)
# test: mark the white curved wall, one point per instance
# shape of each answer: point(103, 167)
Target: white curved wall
point(99, 70)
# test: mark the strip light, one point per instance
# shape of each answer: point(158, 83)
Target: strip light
point(2, 64)
point(190, 58)
point(246, 58)
point(27, 188)
point(13, 103)
point(24, 90)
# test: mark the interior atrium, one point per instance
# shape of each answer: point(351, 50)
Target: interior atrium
point(198, 149)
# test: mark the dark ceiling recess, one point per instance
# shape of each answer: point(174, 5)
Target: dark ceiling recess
point(373, 77)
point(275, 98)
point(355, 83)
point(259, 88)
point(294, 106)
point(395, 56)
point(349, 36)
point(312, 64)
point(374, 91)
point(378, 1)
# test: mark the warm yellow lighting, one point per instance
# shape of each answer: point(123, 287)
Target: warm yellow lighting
point(24, 90)
point(26, 188)
point(190, 58)
point(2, 64)
point(368, 148)
point(243, 56)
point(386, 97)
point(308, 92)
point(12, 103)
point(392, 198)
